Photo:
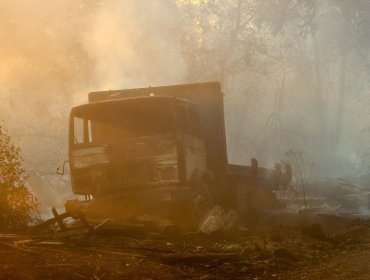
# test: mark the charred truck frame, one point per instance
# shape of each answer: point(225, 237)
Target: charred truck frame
point(136, 149)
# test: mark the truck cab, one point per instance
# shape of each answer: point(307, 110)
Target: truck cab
point(136, 145)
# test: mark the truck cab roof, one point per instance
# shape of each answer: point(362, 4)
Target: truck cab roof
point(116, 102)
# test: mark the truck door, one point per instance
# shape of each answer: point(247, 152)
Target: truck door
point(192, 144)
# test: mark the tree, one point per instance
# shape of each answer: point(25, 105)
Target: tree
point(18, 206)
point(224, 43)
point(302, 172)
point(301, 64)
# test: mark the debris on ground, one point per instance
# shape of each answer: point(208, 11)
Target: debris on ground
point(218, 220)
point(72, 246)
point(121, 250)
point(356, 234)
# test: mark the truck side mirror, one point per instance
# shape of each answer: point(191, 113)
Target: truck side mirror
point(63, 168)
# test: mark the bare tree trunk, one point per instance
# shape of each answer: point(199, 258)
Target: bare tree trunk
point(232, 43)
point(337, 132)
point(319, 96)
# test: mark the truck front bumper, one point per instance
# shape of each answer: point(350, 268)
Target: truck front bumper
point(130, 204)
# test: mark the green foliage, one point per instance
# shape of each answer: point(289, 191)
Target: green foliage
point(18, 206)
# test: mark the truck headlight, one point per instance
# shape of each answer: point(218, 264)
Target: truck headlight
point(90, 156)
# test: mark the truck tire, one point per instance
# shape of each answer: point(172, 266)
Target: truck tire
point(201, 187)
point(203, 198)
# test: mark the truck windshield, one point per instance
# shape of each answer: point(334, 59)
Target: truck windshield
point(113, 121)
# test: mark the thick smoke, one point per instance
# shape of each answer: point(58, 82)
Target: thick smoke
point(54, 52)
point(62, 48)
point(133, 44)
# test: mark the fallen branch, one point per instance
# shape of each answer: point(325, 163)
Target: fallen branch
point(192, 258)
point(115, 253)
point(12, 246)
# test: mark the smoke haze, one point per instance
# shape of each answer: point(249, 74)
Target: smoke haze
point(54, 52)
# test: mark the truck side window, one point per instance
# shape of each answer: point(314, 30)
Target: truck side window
point(89, 132)
point(78, 131)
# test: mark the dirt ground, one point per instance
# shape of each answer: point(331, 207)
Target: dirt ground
point(311, 251)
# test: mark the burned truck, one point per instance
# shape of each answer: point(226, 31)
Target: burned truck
point(140, 150)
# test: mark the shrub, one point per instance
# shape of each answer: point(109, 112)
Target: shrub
point(18, 206)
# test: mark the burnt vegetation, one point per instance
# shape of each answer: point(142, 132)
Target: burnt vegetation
point(18, 206)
